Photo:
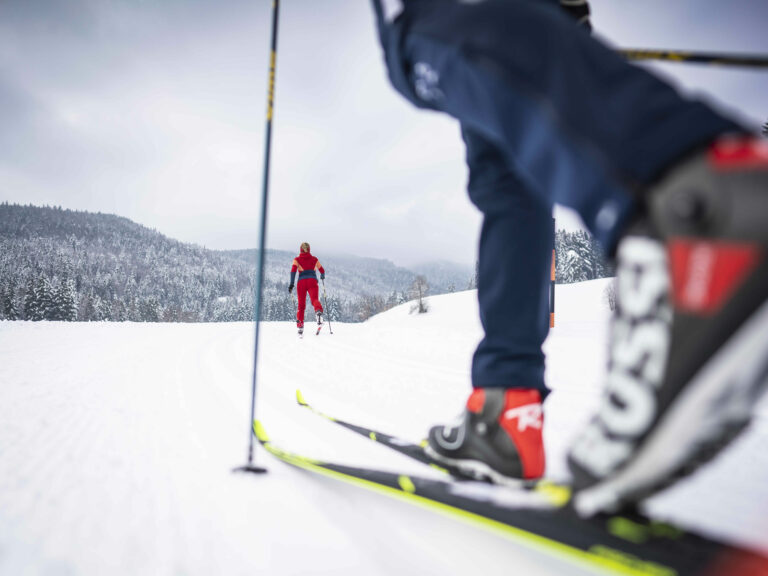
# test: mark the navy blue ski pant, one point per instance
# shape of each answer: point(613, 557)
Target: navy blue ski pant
point(549, 115)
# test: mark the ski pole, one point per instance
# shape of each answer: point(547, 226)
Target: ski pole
point(706, 58)
point(325, 297)
point(250, 466)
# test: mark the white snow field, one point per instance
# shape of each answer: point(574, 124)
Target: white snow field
point(117, 443)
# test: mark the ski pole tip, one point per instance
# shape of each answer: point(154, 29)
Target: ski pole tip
point(251, 469)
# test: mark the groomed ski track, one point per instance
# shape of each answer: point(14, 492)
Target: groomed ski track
point(117, 441)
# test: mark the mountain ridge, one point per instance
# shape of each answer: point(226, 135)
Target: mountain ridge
point(106, 267)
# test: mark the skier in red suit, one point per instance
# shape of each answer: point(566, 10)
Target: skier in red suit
point(306, 264)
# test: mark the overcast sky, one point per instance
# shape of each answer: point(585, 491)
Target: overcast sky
point(155, 111)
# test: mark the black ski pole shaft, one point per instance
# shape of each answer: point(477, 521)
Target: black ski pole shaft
point(250, 466)
point(705, 58)
point(296, 312)
point(325, 297)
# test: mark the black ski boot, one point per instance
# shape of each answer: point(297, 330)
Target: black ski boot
point(498, 438)
point(689, 343)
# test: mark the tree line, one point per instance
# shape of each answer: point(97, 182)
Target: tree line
point(65, 265)
point(579, 257)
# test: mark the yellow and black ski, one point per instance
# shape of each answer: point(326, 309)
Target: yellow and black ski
point(405, 447)
point(541, 519)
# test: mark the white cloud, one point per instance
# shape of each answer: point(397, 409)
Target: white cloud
point(156, 111)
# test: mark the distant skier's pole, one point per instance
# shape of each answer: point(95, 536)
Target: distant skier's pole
point(250, 466)
point(552, 279)
point(295, 306)
point(325, 297)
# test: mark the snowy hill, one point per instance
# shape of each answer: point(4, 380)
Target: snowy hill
point(60, 264)
point(117, 442)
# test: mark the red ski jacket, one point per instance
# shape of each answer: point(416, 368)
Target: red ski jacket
point(306, 264)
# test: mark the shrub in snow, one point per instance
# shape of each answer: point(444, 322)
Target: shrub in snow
point(609, 295)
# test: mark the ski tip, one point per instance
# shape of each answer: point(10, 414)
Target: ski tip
point(261, 434)
point(300, 398)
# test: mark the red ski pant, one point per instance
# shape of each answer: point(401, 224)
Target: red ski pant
point(308, 285)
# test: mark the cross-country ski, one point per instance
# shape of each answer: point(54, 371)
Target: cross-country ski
point(623, 544)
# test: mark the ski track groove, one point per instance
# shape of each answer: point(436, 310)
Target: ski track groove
point(341, 360)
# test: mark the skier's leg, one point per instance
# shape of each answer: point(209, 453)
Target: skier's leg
point(301, 293)
point(313, 290)
point(585, 128)
point(513, 294)
point(513, 275)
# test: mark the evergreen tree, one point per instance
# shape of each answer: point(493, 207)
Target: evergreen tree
point(149, 310)
point(66, 301)
point(8, 309)
point(44, 297)
point(579, 257)
point(334, 310)
point(30, 302)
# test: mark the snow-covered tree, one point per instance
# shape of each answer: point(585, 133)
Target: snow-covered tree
point(419, 290)
point(579, 258)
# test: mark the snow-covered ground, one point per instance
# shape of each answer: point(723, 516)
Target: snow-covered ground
point(117, 443)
